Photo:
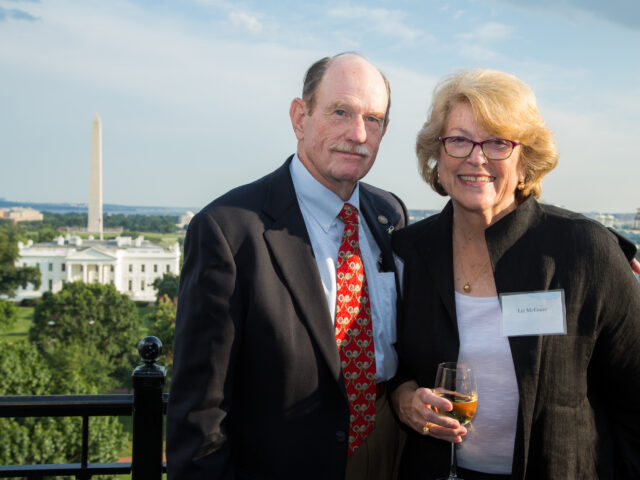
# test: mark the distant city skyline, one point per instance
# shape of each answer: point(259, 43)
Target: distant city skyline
point(194, 95)
point(177, 210)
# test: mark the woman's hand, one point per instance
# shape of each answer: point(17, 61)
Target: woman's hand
point(414, 406)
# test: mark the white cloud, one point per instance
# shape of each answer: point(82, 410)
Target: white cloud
point(477, 44)
point(488, 33)
point(459, 14)
point(390, 23)
point(250, 22)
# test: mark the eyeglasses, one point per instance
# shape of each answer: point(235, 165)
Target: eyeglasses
point(493, 148)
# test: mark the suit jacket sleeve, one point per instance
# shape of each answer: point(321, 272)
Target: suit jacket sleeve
point(627, 246)
point(207, 331)
point(615, 364)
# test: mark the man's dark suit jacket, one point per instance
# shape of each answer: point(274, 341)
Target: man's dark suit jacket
point(257, 389)
point(579, 414)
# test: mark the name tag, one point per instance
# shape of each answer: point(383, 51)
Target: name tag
point(533, 313)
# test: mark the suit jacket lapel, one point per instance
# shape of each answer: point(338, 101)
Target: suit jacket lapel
point(437, 254)
point(382, 221)
point(288, 240)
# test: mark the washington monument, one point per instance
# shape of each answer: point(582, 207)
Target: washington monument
point(94, 221)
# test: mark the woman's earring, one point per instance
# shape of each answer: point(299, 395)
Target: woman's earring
point(520, 186)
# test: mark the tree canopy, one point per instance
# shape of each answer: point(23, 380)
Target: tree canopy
point(167, 285)
point(12, 277)
point(24, 371)
point(94, 318)
point(132, 223)
point(8, 315)
point(162, 324)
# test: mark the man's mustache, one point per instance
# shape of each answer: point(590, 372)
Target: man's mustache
point(348, 148)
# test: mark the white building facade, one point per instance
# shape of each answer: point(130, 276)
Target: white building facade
point(131, 265)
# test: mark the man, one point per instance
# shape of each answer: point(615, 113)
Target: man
point(264, 386)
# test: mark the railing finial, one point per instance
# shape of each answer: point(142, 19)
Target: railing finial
point(149, 349)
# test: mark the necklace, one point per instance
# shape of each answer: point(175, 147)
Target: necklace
point(467, 286)
point(460, 248)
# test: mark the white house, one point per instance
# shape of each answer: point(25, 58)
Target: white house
point(130, 264)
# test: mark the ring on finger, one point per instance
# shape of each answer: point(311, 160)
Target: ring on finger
point(425, 429)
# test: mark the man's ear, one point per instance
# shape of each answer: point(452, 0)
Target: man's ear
point(384, 130)
point(297, 113)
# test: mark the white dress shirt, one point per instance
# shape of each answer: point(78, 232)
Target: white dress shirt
point(320, 208)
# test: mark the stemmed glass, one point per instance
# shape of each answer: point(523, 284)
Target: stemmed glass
point(455, 382)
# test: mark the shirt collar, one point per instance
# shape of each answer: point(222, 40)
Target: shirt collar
point(323, 205)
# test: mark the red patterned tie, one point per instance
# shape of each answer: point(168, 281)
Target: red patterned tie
point(354, 333)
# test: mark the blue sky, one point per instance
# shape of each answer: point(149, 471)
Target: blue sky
point(194, 95)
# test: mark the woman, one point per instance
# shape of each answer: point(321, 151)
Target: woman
point(556, 399)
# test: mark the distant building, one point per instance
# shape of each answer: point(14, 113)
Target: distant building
point(21, 214)
point(131, 265)
point(185, 219)
point(417, 215)
point(605, 219)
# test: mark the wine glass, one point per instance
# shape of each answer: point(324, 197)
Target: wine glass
point(455, 382)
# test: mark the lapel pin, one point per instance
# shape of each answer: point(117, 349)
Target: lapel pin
point(382, 219)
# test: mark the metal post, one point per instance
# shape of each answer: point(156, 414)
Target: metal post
point(85, 441)
point(148, 381)
point(85, 449)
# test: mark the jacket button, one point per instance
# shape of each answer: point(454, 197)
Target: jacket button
point(341, 436)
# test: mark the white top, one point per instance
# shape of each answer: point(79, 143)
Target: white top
point(320, 208)
point(488, 445)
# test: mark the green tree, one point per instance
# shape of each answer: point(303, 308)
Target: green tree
point(94, 318)
point(167, 285)
point(12, 277)
point(24, 371)
point(77, 364)
point(162, 324)
point(143, 223)
point(46, 234)
point(8, 315)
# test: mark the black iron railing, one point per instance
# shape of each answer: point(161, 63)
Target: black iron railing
point(147, 405)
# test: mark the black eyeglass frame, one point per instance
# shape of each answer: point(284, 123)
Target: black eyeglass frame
point(473, 143)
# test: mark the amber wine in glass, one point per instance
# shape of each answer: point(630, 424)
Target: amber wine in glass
point(455, 382)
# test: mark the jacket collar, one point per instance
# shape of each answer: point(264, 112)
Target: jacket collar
point(503, 234)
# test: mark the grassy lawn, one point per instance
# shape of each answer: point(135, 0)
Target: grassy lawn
point(162, 238)
point(25, 319)
point(21, 329)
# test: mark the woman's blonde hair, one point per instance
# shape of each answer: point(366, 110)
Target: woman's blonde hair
point(502, 105)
